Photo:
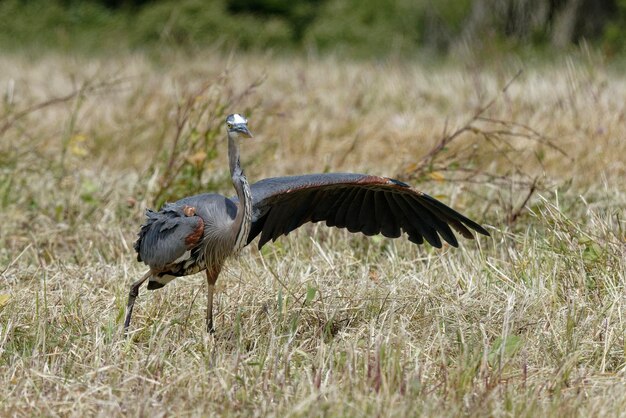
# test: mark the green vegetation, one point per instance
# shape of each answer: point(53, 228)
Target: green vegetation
point(528, 322)
point(363, 28)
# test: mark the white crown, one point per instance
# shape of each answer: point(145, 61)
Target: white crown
point(237, 118)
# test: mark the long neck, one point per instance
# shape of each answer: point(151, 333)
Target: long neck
point(243, 219)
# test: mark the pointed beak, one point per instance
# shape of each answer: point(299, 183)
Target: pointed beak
point(243, 129)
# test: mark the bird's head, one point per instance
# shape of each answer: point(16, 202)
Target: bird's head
point(237, 126)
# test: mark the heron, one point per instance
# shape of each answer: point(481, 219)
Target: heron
point(199, 233)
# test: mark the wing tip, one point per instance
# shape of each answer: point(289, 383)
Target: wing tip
point(483, 231)
point(477, 228)
point(459, 217)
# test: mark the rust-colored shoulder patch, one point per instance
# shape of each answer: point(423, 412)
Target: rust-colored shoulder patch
point(195, 237)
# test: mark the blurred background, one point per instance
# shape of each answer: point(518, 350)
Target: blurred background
point(359, 28)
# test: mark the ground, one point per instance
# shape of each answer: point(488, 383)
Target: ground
point(529, 321)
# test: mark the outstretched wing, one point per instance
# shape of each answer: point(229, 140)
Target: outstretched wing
point(361, 203)
point(167, 235)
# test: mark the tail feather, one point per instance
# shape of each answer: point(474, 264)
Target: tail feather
point(150, 218)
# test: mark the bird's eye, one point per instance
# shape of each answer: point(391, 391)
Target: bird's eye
point(229, 125)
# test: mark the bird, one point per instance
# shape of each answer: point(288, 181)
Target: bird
point(198, 233)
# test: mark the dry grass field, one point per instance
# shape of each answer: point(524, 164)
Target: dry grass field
point(528, 322)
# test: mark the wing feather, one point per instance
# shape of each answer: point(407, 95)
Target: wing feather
point(325, 204)
point(440, 207)
point(342, 210)
point(421, 230)
point(432, 220)
point(395, 215)
point(383, 214)
point(358, 202)
point(367, 218)
point(353, 223)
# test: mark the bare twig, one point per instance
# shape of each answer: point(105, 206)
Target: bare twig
point(517, 212)
point(427, 160)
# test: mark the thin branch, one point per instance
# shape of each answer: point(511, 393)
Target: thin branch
point(516, 213)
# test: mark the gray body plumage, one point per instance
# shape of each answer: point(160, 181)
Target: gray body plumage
point(163, 242)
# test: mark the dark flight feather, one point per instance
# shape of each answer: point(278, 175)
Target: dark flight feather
point(358, 202)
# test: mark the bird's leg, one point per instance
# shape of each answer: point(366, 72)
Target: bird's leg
point(132, 295)
point(211, 277)
point(209, 309)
